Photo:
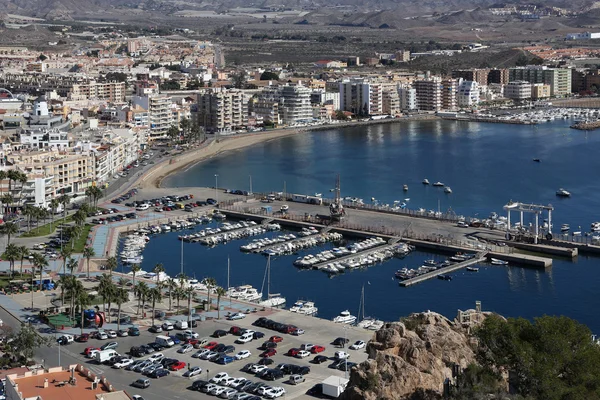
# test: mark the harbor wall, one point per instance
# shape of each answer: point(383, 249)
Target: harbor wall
point(522, 259)
point(584, 248)
point(569, 252)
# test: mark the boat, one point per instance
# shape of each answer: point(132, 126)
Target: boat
point(565, 228)
point(218, 215)
point(425, 181)
point(473, 269)
point(365, 322)
point(284, 208)
point(595, 227)
point(445, 277)
point(308, 308)
point(438, 183)
point(495, 261)
point(537, 160)
point(405, 188)
point(430, 263)
point(563, 193)
point(297, 306)
point(345, 318)
point(447, 189)
point(273, 299)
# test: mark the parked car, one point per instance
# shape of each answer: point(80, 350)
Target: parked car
point(317, 349)
point(359, 344)
point(303, 354)
point(141, 383)
point(219, 333)
point(341, 355)
point(276, 339)
point(192, 372)
point(177, 366)
point(269, 353)
point(243, 354)
point(236, 316)
point(340, 341)
point(186, 348)
point(109, 346)
point(292, 352)
point(158, 373)
point(320, 359)
point(155, 329)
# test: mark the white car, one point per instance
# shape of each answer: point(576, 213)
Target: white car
point(274, 393)
point(303, 354)
point(244, 339)
point(156, 357)
point(359, 344)
point(111, 334)
point(192, 372)
point(243, 354)
point(228, 393)
point(218, 390)
point(235, 316)
point(186, 348)
point(167, 326)
point(181, 325)
point(227, 381)
point(143, 207)
point(92, 353)
point(123, 364)
point(219, 377)
point(307, 346)
point(237, 381)
point(263, 390)
point(194, 335)
point(258, 368)
point(102, 336)
point(341, 355)
point(200, 353)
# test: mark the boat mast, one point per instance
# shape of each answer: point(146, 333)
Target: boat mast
point(269, 277)
point(181, 257)
point(228, 273)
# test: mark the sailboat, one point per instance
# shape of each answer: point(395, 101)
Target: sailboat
point(273, 299)
point(367, 322)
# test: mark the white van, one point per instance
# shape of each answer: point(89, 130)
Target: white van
point(105, 355)
point(181, 325)
point(245, 338)
point(164, 341)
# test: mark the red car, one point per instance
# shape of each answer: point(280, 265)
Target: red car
point(317, 349)
point(177, 366)
point(276, 339)
point(211, 345)
point(89, 349)
point(193, 342)
point(289, 328)
point(292, 352)
point(269, 353)
point(82, 338)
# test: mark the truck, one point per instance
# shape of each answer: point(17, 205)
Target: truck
point(334, 386)
point(105, 355)
point(164, 341)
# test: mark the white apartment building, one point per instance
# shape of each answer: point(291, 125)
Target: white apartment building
point(294, 104)
point(160, 117)
point(408, 98)
point(44, 138)
point(320, 96)
point(468, 94)
point(517, 90)
point(361, 97)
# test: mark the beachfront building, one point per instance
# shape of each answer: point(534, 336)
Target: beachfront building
point(322, 97)
point(361, 97)
point(223, 110)
point(468, 94)
point(408, 98)
point(559, 79)
point(391, 102)
point(540, 91)
point(294, 104)
point(517, 90)
point(160, 118)
point(449, 91)
point(429, 94)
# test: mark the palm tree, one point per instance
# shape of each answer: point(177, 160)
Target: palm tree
point(171, 286)
point(23, 254)
point(79, 217)
point(54, 203)
point(64, 283)
point(179, 294)
point(76, 289)
point(82, 300)
point(121, 296)
point(156, 295)
point(220, 292)
point(106, 290)
point(72, 264)
point(158, 268)
point(40, 213)
point(11, 254)
point(88, 253)
point(210, 283)
point(7, 200)
point(122, 282)
point(141, 291)
point(28, 211)
point(135, 268)
point(111, 264)
point(9, 229)
point(189, 292)
point(65, 253)
point(39, 262)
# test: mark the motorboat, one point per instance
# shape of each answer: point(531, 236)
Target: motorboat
point(345, 318)
point(430, 263)
point(447, 189)
point(565, 228)
point(297, 306)
point(366, 323)
point(438, 183)
point(595, 227)
point(473, 269)
point(274, 300)
point(495, 261)
point(537, 160)
point(405, 188)
point(308, 308)
point(284, 208)
point(425, 181)
point(445, 277)
point(563, 193)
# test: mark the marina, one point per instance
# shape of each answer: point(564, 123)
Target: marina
point(444, 271)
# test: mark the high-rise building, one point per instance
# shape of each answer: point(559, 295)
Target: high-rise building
point(222, 110)
point(559, 79)
point(391, 102)
point(361, 97)
point(499, 76)
point(408, 98)
point(429, 94)
point(294, 104)
point(468, 94)
point(517, 90)
point(449, 90)
point(479, 75)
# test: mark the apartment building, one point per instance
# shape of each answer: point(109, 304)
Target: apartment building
point(499, 76)
point(391, 102)
point(106, 91)
point(160, 117)
point(320, 96)
point(479, 75)
point(559, 79)
point(517, 90)
point(408, 98)
point(540, 91)
point(222, 110)
point(449, 91)
point(468, 94)
point(45, 138)
point(429, 94)
point(361, 97)
point(41, 82)
point(294, 104)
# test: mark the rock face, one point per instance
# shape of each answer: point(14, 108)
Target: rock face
point(411, 359)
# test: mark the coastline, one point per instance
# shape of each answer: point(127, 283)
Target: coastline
point(155, 176)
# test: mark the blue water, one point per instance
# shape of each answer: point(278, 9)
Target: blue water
point(485, 164)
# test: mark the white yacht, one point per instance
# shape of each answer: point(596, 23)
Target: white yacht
point(297, 306)
point(425, 181)
point(284, 208)
point(308, 308)
point(565, 228)
point(345, 318)
point(366, 322)
point(595, 226)
point(405, 188)
point(251, 295)
point(563, 193)
point(495, 261)
point(376, 325)
point(273, 299)
point(447, 189)
point(438, 183)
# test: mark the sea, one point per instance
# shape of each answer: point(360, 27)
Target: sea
point(486, 165)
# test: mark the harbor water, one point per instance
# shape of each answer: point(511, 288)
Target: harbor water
point(486, 165)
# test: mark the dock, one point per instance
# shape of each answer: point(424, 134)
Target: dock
point(291, 241)
point(480, 257)
point(238, 233)
point(522, 259)
point(358, 254)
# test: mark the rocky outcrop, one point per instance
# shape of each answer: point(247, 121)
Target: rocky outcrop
point(411, 359)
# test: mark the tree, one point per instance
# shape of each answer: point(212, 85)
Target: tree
point(64, 284)
point(141, 291)
point(173, 132)
point(106, 289)
point(220, 292)
point(238, 79)
point(23, 254)
point(179, 294)
point(54, 203)
point(72, 265)
point(65, 253)
point(121, 296)
point(88, 253)
point(210, 283)
point(25, 342)
point(111, 264)
point(9, 229)
point(269, 76)
point(155, 295)
point(122, 282)
point(171, 286)
point(158, 268)
point(340, 115)
point(12, 254)
point(39, 263)
point(82, 300)
point(189, 292)
point(135, 268)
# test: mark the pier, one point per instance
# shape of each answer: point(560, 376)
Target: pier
point(358, 254)
point(291, 241)
point(233, 233)
point(480, 257)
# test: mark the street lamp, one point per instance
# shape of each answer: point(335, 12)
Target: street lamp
point(216, 185)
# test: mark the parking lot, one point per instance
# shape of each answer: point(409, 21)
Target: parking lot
point(317, 332)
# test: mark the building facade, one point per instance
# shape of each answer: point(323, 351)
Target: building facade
point(429, 94)
point(468, 94)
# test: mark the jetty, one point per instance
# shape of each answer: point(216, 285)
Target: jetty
point(479, 257)
point(586, 126)
point(358, 254)
point(301, 242)
point(233, 234)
